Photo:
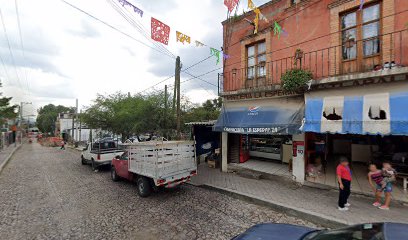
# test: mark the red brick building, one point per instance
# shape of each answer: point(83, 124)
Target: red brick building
point(357, 56)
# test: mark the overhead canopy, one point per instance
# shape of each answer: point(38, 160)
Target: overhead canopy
point(278, 116)
point(376, 110)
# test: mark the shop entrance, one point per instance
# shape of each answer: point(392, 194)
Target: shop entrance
point(271, 154)
point(324, 150)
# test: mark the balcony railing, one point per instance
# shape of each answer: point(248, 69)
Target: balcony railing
point(328, 62)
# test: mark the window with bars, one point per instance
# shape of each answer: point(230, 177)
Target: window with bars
point(361, 26)
point(256, 60)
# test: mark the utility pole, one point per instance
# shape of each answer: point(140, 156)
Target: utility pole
point(73, 121)
point(178, 69)
point(80, 126)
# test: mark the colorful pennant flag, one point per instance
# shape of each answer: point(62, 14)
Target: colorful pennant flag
point(225, 56)
point(277, 29)
point(182, 37)
point(361, 4)
point(231, 4)
point(135, 9)
point(160, 31)
point(251, 5)
point(256, 20)
point(216, 53)
point(262, 17)
point(199, 44)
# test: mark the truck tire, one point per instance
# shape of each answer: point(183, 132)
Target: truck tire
point(144, 189)
point(114, 175)
point(93, 165)
point(83, 161)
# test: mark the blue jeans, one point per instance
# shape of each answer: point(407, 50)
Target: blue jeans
point(388, 188)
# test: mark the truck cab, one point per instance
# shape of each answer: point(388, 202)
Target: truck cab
point(100, 153)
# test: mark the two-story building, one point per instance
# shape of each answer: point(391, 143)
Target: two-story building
point(355, 105)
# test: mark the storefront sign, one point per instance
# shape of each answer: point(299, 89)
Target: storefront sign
point(252, 130)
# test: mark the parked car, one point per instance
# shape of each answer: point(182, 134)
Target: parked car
point(367, 231)
point(155, 164)
point(100, 153)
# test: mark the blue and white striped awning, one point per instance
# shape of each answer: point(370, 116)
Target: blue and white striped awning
point(378, 112)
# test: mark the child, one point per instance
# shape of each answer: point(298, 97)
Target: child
point(375, 177)
point(388, 174)
point(62, 145)
point(344, 179)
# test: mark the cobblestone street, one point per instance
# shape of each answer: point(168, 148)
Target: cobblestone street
point(47, 194)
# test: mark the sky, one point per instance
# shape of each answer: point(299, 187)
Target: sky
point(64, 55)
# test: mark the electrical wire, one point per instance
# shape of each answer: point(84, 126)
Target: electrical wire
point(138, 25)
point(22, 45)
point(111, 26)
point(9, 47)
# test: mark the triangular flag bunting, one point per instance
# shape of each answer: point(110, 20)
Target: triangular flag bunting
point(277, 29)
point(251, 5)
point(231, 4)
point(160, 31)
point(216, 53)
point(199, 44)
point(256, 20)
point(182, 37)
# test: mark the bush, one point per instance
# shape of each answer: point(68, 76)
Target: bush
point(295, 79)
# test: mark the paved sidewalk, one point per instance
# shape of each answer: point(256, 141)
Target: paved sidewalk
point(315, 203)
point(6, 151)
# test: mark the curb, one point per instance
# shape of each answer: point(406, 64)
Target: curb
point(294, 212)
point(9, 157)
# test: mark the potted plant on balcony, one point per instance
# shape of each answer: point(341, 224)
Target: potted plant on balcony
point(295, 79)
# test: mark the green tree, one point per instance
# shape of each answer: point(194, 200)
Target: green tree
point(47, 115)
point(209, 110)
point(7, 111)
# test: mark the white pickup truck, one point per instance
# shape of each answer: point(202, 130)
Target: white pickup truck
point(100, 153)
point(156, 164)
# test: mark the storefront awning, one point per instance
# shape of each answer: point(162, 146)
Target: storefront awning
point(374, 110)
point(280, 116)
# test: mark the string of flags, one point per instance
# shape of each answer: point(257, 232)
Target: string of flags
point(361, 4)
point(160, 31)
point(231, 4)
point(135, 9)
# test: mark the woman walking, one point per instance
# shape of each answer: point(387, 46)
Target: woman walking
point(344, 179)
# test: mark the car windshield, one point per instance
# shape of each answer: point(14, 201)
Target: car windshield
point(359, 232)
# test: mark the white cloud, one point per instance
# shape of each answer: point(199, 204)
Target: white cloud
point(70, 55)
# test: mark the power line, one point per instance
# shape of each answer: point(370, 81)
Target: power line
point(191, 66)
point(110, 26)
point(128, 17)
point(9, 47)
point(22, 44)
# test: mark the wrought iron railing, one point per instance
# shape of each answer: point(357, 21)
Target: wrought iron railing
point(323, 63)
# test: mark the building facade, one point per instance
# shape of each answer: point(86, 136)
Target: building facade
point(357, 55)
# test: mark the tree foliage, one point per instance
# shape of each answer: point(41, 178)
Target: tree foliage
point(47, 115)
point(7, 111)
point(132, 115)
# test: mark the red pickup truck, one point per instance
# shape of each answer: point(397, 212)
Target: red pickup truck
point(155, 164)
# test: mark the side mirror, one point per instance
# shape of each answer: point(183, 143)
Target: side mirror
point(117, 157)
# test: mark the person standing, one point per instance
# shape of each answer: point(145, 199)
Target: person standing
point(62, 145)
point(344, 179)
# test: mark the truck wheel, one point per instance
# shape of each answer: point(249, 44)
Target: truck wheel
point(114, 176)
point(93, 165)
point(83, 161)
point(144, 188)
